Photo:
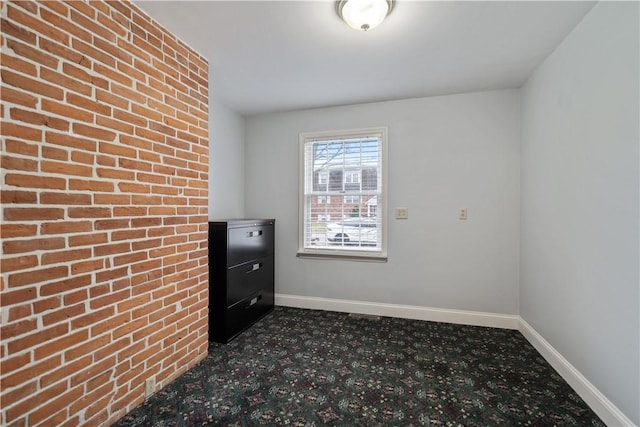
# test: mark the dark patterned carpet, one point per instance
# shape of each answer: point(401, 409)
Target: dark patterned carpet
point(314, 368)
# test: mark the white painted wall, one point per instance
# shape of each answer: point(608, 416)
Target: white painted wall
point(445, 153)
point(226, 162)
point(580, 198)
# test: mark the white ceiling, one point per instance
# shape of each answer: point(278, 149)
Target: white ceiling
point(268, 56)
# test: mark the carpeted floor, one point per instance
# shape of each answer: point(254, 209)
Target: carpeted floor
point(314, 368)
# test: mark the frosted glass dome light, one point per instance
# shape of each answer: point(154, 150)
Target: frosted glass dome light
point(364, 15)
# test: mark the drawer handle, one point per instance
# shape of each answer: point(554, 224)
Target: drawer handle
point(254, 233)
point(254, 301)
point(254, 267)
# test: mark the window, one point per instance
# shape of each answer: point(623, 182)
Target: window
point(343, 194)
point(351, 200)
point(351, 177)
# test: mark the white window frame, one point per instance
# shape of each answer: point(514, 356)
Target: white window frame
point(352, 177)
point(323, 252)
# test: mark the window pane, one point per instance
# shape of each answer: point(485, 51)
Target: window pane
point(343, 194)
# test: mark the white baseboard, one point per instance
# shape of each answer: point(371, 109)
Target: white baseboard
point(403, 311)
point(598, 402)
point(603, 407)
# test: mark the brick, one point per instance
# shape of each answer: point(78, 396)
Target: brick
point(93, 132)
point(89, 104)
point(119, 24)
point(65, 199)
point(112, 249)
point(119, 174)
point(82, 74)
point(82, 157)
point(18, 64)
point(49, 152)
point(64, 52)
point(21, 132)
point(64, 81)
point(92, 318)
point(88, 239)
point(110, 74)
point(75, 297)
point(128, 235)
point(129, 258)
point(15, 96)
point(59, 8)
point(90, 51)
point(70, 112)
point(30, 52)
point(11, 196)
point(90, 185)
point(16, 362)
point(15, 329)
point(54, 405)
point(19, 263)
point(65, 256)
point(17, 163)
point(60, 344)
point(90, 212)
point(87, 266)
point(20, 246)
point(31, 22)
point(127, 187)
point(130, 211)
point(64, 371)
point(116, 125)
point(66, 227)
point(134, 164)
point(65, 313)
point(116, 101)
point(33, 214)
point(39, 119)
point(43, 335)
point(66, 168)
point(26, 375)
point(37, 276)
point(85, 9)
point(128, 93)
point(112, 224)
point(113, 50)
point(111, 199)
point(30, 85)
point(31, 181)
point(65, 285)
point(65, 25)
point(18, 31)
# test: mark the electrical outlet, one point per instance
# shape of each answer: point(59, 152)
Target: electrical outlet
point(462, 214)
point(402, 213)
point(149, 386)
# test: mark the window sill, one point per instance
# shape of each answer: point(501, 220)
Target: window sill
point(342, 256)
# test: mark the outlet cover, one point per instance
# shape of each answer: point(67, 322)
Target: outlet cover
point(149, 386)
point(402, 213)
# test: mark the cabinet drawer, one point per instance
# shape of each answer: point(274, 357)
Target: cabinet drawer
point(246, 279)
point(246, 312)
point(249, 243)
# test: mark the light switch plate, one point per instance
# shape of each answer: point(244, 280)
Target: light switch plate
point(462, 213)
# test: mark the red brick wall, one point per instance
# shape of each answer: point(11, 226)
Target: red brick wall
point(104, 280)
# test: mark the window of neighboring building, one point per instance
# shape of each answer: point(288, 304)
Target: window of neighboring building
point(351, 167)
point(352, 177)
point(351, 200)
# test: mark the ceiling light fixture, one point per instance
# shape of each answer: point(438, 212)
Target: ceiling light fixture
point(364, 15)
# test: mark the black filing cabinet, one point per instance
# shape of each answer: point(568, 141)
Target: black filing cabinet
point(241, 275)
